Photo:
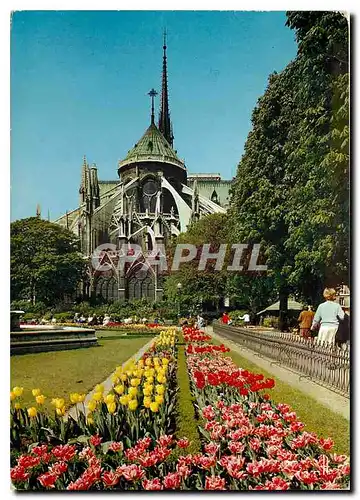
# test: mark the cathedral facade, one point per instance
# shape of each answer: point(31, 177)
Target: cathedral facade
point(151, 202)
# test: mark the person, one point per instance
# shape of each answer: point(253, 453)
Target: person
point(106, 320)
point(328, 315)
point(200, 321)
point(343, 333)
point(225, 318)
point(246, 319)
point(305, 319)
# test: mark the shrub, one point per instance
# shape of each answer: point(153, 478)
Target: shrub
point(271, 321)
point(64, 316)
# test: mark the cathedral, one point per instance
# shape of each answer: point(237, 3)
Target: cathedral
point(151, 202)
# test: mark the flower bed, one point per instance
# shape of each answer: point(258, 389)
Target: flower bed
point(129, 440)
point(248, 441)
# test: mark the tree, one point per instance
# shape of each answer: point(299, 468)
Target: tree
point(210, 285)
point(318, 155)
point(46, 264)
point(198, 286)
point(259, 194)
point(291, 192)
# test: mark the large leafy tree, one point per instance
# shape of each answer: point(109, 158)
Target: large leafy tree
point(318, 154)
point(259, 194)
point(198, 286)
point(291, 191)
point(46, 263)
point(251, 291)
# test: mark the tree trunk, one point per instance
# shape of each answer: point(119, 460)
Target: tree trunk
point(283, 310)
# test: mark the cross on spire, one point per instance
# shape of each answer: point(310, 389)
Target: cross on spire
point(152, 94)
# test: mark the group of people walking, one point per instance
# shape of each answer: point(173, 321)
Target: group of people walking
point(330, 321)
point(330, 324)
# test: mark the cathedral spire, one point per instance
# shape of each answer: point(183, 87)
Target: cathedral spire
point(165, 126)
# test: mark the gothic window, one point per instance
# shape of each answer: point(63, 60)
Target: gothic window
point(149, 190)
point(139, 287)
point(214, 197)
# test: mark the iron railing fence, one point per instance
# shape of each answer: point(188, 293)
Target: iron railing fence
point(324, 364)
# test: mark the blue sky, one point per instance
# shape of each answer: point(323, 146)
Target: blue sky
point(79, 83)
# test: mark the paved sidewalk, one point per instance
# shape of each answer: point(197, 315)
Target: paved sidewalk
point(106, 383)
point(336, 403)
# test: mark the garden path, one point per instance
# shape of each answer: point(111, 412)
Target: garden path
point(330, 399)
point(106, 383)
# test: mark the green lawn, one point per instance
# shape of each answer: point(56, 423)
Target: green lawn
point(316, 417)
point(78, 370)
point(187, 424)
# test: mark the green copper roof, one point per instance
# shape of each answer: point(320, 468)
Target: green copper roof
point(152, 147)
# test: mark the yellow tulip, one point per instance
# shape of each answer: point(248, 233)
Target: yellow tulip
point(92, 405)
point(97, 396)
point(129, 373)
point(160, 389)
point(12, 396)
point(119, 389)
point(165, 361)
point(133, 391)
point(135, 382)
point(32, 412)
point(40, 399)
point(60, 403)
point(154, 407)
point(124, 399)
point(147, 402)
point(133, 404)
point(147, 391)
point(99, 388)
point(36, 392)
point(18, 391)
point(60, 411)
point(150, 380)
point(115, 379)
point(81, 397)
point(74, 397)
point(159, 399)
point(148, 362)
point(123, 377)
point(17, 406)
point(161, 379)
point(110, 398)
point(111, 407)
